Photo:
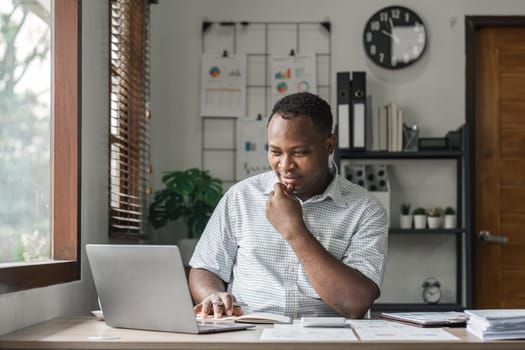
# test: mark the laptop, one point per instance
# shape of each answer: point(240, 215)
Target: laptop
point(145, 287)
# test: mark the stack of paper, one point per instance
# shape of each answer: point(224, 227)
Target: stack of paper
point(492, 324)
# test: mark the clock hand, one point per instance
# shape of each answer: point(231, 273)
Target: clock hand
point(391, 24)
point(393, 36)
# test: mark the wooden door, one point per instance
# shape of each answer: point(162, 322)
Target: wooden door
point(499, 171)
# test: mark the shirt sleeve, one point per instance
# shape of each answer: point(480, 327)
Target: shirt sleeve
point(217, 248)
point(367, 251)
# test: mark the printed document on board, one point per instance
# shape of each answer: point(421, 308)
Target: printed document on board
point(223, 85)
point(291, 74)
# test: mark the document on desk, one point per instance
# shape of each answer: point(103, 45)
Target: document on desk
point(299, 333)
point(388, 330)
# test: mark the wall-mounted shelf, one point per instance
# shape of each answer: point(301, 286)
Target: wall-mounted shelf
point(426, 231)
point(349, 154)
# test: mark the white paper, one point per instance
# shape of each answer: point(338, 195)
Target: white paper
point(294, 333)
point(387, 331)
point(291, 74)
point(223, 85)
point(359, 125)
point(252, 148)
point(344, 125)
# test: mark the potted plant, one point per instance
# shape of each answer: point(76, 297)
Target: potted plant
point(434, 217)
point(450, 217)
point(420, 218)
point(190, 195)
point(405, 219)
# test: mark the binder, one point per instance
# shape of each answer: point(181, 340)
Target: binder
point(383, 128)
point(343, 108)
point(358, 112)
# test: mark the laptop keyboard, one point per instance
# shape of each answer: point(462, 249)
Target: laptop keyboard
point(206, 326)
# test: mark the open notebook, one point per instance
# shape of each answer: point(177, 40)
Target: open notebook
point(145, 287)
point(258, 317)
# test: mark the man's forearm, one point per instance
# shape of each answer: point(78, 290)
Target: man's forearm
point(344, 289)
point(203, 283)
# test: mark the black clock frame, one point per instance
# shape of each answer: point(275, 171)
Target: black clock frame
point(382, 41)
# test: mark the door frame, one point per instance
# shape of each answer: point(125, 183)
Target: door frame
point(473, 24)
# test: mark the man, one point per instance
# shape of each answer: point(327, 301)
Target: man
point(298, 240)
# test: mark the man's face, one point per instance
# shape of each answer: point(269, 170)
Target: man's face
point(299, 153)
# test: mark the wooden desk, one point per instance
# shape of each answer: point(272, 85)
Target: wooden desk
point(74, 333)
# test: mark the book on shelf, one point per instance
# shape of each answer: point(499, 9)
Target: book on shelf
point(382, 124)
point(494, 324)
point(387, 129)
point(428, 319)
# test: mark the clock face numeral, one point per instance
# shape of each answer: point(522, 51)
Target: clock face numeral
point(396, 12)
point(394, 37)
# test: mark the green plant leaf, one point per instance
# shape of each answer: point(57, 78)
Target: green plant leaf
point(190, 195)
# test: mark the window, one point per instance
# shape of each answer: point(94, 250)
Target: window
point(25, 163)
point(52, 205)
point(129, 142)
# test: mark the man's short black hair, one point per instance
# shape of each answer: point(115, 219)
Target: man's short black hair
point(305, 104)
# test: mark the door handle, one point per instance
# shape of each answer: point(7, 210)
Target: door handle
point(485, 236)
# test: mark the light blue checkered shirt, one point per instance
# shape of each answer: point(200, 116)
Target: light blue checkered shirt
point(241, 247)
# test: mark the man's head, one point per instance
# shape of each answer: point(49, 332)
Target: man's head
point(300, 141)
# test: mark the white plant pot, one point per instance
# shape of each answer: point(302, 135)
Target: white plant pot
point(450, 221)
point(434, 222)
point(405, 221)
point(186, 247)
point(420, 221)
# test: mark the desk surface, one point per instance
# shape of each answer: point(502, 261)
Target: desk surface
point(75, 333)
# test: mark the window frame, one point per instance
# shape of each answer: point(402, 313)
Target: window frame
point(64, 265)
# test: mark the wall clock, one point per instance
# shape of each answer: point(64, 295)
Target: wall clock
point(394, 37)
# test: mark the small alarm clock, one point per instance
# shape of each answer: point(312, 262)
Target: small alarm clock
point(431, 290)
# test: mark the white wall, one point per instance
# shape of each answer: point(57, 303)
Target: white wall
point(25, 308)
point(432, 94)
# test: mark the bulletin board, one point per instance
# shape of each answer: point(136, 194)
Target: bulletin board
point(233, 146)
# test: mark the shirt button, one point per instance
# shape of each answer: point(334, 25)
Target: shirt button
point(291, 269)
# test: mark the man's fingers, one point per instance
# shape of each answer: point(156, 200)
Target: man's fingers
point(228, 304)
point(218, 307)
point(278, 188)
point(203, 309)
point(237, 311)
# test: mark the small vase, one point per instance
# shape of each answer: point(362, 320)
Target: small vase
point(434, 222)
point(405, 221)
point(450, 221)
point(420, 221)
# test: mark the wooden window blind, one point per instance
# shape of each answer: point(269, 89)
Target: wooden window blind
point(130, 114)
